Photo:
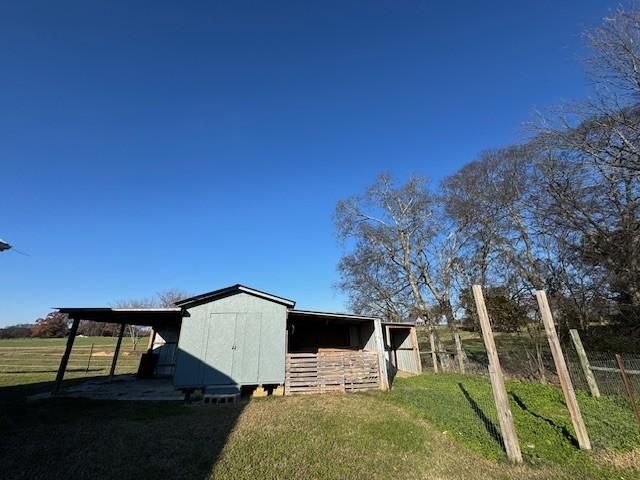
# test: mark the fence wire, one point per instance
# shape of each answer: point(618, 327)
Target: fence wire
point(605, 370)
point(526, 356)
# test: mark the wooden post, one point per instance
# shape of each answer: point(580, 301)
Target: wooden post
point(584, 363)
point(65, 356)
point(382, 361)
point(507, 428)
point(416, 348)
point(434, 356)
point(116, 352)
point(90, 354)
point(563, 372)
point(460, 357)
point(628, 387)
point(152, 339)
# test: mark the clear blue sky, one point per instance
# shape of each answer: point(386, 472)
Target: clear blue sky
point(150, 145)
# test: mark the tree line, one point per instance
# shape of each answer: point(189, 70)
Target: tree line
point(559, 212)
point(56, 324)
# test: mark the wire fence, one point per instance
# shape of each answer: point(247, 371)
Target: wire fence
point(93, 360)
point(611, 418)
point(606, 372)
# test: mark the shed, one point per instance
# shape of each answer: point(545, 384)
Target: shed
point(238, 337)
point(233, 336)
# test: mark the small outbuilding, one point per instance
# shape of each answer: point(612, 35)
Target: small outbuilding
point(239, 338)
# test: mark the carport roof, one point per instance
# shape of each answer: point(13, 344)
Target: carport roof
point(130, 316)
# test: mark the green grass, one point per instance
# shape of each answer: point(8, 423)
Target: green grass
point(33, 360)
point(428, 426)
point(348, 436)
point(462, 405)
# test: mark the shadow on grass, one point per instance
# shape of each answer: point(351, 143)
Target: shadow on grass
point(62, 438)
point(563, 430)
point(69, 370)
point(489, 426)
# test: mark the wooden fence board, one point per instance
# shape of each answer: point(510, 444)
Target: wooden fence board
point(331, 371)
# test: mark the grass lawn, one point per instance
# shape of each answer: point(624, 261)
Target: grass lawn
point(425, 428)
point(429, 426)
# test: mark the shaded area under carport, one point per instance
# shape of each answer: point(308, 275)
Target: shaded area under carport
point(146, 317)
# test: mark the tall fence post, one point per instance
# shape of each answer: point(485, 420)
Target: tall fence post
point(459, 354)
point(434, 355)
point(584, 363)
point(507, 427)
point(563, 372)
point(628, 387)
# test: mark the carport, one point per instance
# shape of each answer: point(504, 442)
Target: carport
point(156, 318)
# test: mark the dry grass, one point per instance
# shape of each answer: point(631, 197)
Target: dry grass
point(620, 460)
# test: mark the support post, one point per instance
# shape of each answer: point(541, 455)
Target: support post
point(382, 362)
point(116, 352)
point(90, 355)
point(628, 387)
point(152, 339)
point(507, 427)
point(416, 348)
point(584, 363)
point(459, 355)
point(65, 356)
point(563, 372)
point(434, 355)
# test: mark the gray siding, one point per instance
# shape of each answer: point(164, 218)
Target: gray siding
point(239, 339)
point(407, 361)
point(165, 346)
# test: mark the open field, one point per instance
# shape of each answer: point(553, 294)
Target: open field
point(33, 360)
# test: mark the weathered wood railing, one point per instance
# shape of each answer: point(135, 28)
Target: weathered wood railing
point(331, 371)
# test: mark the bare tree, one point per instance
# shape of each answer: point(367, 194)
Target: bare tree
point(165, 298)
point(403, 256)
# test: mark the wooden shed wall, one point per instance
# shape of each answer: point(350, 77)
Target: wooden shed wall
point(239, 339)
point(165, 345)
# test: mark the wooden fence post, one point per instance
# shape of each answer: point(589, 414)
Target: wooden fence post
point(584, 363)
point(459, 355)
point(507, 428)
point(90, 354)
point(628, 387)
point(434, 356)
point(563, 372)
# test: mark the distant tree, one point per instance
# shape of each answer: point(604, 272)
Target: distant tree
point(506, 313)
point(163, 299)
point(16, 331)
point(54, 325)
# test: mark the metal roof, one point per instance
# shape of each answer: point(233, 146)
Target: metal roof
point(131, 316)
point(347, 316)
point(232, 290)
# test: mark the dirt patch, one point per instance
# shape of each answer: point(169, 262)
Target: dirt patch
point(622, 460)
point(109, 354)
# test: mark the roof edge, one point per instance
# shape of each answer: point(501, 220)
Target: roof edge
point(232, 290)
point(334, 314)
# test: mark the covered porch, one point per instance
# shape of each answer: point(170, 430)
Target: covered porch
point(159, 319)
point(333, 352)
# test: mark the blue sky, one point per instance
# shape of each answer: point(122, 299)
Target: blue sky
point(193, 145)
